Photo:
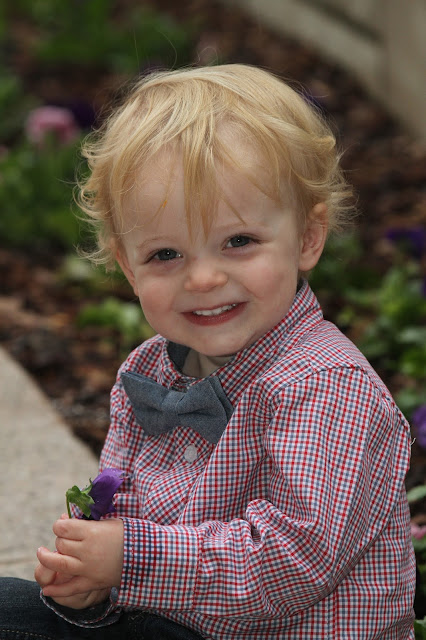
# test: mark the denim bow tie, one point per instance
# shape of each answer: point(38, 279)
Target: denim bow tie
point(204, 406)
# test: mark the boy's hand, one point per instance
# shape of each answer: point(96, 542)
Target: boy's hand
point(80, 601)
point(90, 559)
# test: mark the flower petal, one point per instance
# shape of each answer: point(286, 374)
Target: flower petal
point(102, 491)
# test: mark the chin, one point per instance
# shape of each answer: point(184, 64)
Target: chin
point(221, 353)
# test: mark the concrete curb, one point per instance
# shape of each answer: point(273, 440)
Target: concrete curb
point(40, 459)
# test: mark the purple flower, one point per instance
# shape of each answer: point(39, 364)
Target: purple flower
point(95, 500)
point(102, 491)
point(414, 238)
point(419, 424)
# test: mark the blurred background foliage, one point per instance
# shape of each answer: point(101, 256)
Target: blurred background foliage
point(97, 34)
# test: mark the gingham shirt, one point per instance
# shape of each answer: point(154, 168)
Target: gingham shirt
point(295, 525)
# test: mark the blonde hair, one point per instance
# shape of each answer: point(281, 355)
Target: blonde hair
point(188, 111)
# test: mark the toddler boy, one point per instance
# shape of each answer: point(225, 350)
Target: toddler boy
point(264, 458)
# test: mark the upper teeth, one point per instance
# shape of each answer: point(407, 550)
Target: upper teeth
point(215, 312)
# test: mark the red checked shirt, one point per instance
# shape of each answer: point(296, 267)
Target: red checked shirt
point(295, 525)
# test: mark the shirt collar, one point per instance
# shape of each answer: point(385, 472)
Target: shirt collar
point(303, 315)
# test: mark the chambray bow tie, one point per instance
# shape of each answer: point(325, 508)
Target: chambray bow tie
point(204, 406)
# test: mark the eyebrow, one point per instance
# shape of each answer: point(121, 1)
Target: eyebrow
point(151, 240)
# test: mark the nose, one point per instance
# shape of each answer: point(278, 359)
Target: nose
point(204, 275)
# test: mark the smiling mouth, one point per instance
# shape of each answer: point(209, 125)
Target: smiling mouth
point(216, 316)
point(214, 312)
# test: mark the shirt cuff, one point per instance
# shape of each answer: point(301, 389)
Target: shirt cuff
point(102, 614)
point(160, 566)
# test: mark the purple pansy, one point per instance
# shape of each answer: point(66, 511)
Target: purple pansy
point(419, 424)
point(103, 489)
point(95, 500)
point(413, 237)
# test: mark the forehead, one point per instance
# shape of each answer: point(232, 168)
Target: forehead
point(236, 179)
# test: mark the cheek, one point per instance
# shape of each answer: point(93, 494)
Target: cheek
point(270, 278)
point(153, 298)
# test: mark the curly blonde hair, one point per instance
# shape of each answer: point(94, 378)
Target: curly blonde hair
point(188, 111)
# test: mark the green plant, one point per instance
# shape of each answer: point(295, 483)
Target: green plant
point(389, 322)
point(385, 314)
point(417, 494)
point(2, 21)
point(124, 317)
point(420, 629)
point(393, 321)
point(14, 105)
point(87, 278)
point(36, 195)
point(119, 41)
point(341, 270)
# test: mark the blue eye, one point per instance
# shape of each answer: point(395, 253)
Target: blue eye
point(238, 241)
point(166, 254)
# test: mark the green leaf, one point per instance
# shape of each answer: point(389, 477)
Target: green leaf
point(420, 629)
point(413, 335)
point(419, 544)
point(80, 498)
point(125, 317)
point(416, 493)
point(408, 400)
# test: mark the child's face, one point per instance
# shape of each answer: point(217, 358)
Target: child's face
point(216, 294)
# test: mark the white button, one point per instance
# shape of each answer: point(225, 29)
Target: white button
point(190, 453)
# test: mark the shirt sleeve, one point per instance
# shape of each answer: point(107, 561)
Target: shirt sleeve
point(335, 454)
point(100, 615)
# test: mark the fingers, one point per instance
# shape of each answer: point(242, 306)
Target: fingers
point(68, 547)
point(73, 529)
point(69, 534)
point(84, 600)
point(44, 576)
point(57, 562)
point(72, 587)
point(88, 549)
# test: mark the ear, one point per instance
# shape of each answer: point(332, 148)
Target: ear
point(313, 238)
point(123, 261)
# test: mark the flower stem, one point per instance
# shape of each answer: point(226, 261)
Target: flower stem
point(68, 509)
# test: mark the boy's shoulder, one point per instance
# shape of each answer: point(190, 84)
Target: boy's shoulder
point(323, 348)
point(327, 347)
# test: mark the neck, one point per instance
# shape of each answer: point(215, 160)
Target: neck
point(198, 365)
